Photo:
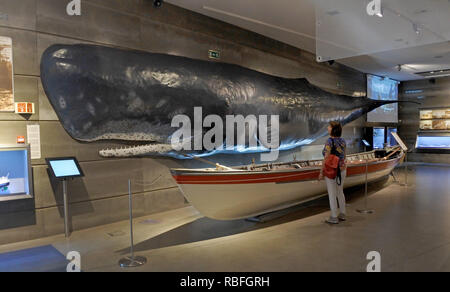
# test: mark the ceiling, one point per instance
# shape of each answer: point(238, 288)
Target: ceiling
point(293, 22)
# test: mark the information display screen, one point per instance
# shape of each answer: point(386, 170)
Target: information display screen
point(382, 89)
point(65, 167)
point(378, 138)
point(390, 138)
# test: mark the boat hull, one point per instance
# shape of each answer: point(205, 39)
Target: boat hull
point(226, 196)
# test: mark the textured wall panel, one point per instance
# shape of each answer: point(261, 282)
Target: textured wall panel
point(46, 111)
point(95, 23)
point(20, 14)
point(24, 51)
point(162, 38)
point(25, 89)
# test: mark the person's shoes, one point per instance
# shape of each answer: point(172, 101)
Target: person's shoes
point(332, 220)
point(342, 217)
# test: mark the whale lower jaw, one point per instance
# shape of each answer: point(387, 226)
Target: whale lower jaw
point(151, 149)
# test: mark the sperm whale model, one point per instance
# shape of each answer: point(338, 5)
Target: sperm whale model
point(103, 93)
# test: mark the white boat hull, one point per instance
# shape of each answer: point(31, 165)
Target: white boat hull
point(246, 197)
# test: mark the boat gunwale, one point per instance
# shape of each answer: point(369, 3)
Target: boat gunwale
point(208, 171)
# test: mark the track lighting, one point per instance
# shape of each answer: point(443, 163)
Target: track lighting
point(416, 28)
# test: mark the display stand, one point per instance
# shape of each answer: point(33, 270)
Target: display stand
point(405, 184)
point(405, 150)
point(365, 210)
point(62, 169)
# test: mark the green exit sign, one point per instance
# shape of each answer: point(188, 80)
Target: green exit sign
point(214, 54)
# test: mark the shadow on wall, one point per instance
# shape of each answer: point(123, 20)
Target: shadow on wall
point(206, 228)
point(81, 195)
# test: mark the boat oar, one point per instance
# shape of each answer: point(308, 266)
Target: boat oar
point(392, 153)
point(217, 165)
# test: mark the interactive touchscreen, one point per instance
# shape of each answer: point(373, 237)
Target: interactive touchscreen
point(65, 167)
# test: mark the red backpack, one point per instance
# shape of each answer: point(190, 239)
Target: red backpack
point(331, 169)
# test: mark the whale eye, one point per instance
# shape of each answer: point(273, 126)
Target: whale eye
point(62, 53)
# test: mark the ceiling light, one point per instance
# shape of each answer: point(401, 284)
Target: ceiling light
point(416, 28)
point(332, 13)
point(434, 74)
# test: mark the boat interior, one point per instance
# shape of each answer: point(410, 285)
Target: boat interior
point(373, 156)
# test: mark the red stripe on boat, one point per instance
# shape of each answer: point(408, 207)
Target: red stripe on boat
point(279, 177)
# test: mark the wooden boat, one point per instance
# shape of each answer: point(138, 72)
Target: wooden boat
point(242, 192)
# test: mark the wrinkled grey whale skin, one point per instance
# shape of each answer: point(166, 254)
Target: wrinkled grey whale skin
point(103, 93)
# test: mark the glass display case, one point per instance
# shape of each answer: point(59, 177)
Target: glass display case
point(435, 119)
point(433, 141)
point(434, 129)
point(15, 172)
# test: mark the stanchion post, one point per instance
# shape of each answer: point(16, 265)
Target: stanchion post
point(66, 209)
point(365, 210)
point(406, 170)
point(131, 261)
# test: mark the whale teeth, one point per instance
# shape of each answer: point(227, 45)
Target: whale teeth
point(136, 150)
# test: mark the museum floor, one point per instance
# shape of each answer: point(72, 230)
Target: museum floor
point(410, 228)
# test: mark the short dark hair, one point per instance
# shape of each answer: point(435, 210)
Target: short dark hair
point(336, 129)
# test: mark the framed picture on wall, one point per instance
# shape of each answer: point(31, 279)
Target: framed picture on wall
point(6, 75)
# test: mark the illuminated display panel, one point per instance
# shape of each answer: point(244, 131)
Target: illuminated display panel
point(379, 88)
point(65, 167)
point(390, 139)
point(15, 173)
point(436, 142)
point(378, 138)
point(435, 119)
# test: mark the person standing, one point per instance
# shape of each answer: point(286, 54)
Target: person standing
point(335, 186)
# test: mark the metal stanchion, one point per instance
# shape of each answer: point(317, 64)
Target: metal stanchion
point(66, 209)
point(365, 210)
point(132, 260)
point(406, 171)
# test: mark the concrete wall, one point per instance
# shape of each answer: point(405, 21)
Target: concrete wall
point(101, 197)
point(429, 95)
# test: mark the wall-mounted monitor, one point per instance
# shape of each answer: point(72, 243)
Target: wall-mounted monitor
point(378, 137)
point(380, 88)
point(64, 167)
point(390, 138)
point(15, 172)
